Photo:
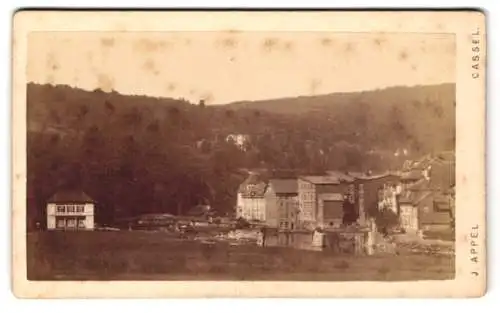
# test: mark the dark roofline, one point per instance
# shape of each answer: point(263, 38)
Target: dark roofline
point(319, 183)
point(70, 196)
point(287, 193)
point(375, 177)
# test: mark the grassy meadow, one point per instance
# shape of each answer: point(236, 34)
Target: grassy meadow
point(140, 255)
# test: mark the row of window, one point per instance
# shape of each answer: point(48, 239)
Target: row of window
point(286, 225)
point(70, 223)
point(307, 196)
point(305, 186)
point(253, 217)
point(70, 208)
point(288, 204)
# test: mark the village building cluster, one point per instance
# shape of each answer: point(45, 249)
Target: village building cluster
point(420, 196)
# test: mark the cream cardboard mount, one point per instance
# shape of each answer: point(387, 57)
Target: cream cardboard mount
point(248, 154)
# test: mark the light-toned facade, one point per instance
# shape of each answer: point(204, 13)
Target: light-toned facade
point(251, 203)
point(70, 216)
point(307, 200)
point(408, 217)
point(251, 207)
point(70, 211)
point(388, 197)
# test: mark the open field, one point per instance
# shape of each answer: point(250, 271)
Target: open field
point(156, 256)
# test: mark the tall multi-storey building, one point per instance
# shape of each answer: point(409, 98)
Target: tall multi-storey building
point(282, 203)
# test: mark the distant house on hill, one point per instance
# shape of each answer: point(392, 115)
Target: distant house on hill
point(282, 203)
point(240, 140)
point(70, 210)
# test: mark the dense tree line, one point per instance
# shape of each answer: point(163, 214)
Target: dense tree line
point(136, 154)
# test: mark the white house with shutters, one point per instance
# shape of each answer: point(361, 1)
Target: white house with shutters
point(70, 210)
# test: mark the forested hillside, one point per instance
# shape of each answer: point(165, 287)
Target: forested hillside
point(422, 116)
point(136, 154)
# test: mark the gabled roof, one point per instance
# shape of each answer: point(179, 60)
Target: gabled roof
point(253, 186)
point(70, 196)
point(284, 186)
point(443, 175)
point(369, 176)
point(442, 199)
point(420, 185)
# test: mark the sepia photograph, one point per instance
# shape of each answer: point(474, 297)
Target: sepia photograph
point(244, 154)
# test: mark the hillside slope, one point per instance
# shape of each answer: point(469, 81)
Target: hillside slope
point(138, 154)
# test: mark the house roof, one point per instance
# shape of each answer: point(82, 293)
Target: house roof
point(321, 180)
point(414, 197)
point(443, 206)
point(421, 196)
point(442, 199)
point(70, 196)
point(435, 218)
point(284, 186)
point(443, 175)
point(253, 186)
point(367, 176)
point(357, 174)
point(341, 176)
point(420, 185)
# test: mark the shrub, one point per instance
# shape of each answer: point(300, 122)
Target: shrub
point(242, 223)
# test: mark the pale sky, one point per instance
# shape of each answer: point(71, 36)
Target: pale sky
point(223, 67)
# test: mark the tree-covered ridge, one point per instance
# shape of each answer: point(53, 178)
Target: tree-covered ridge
point(137, 154)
